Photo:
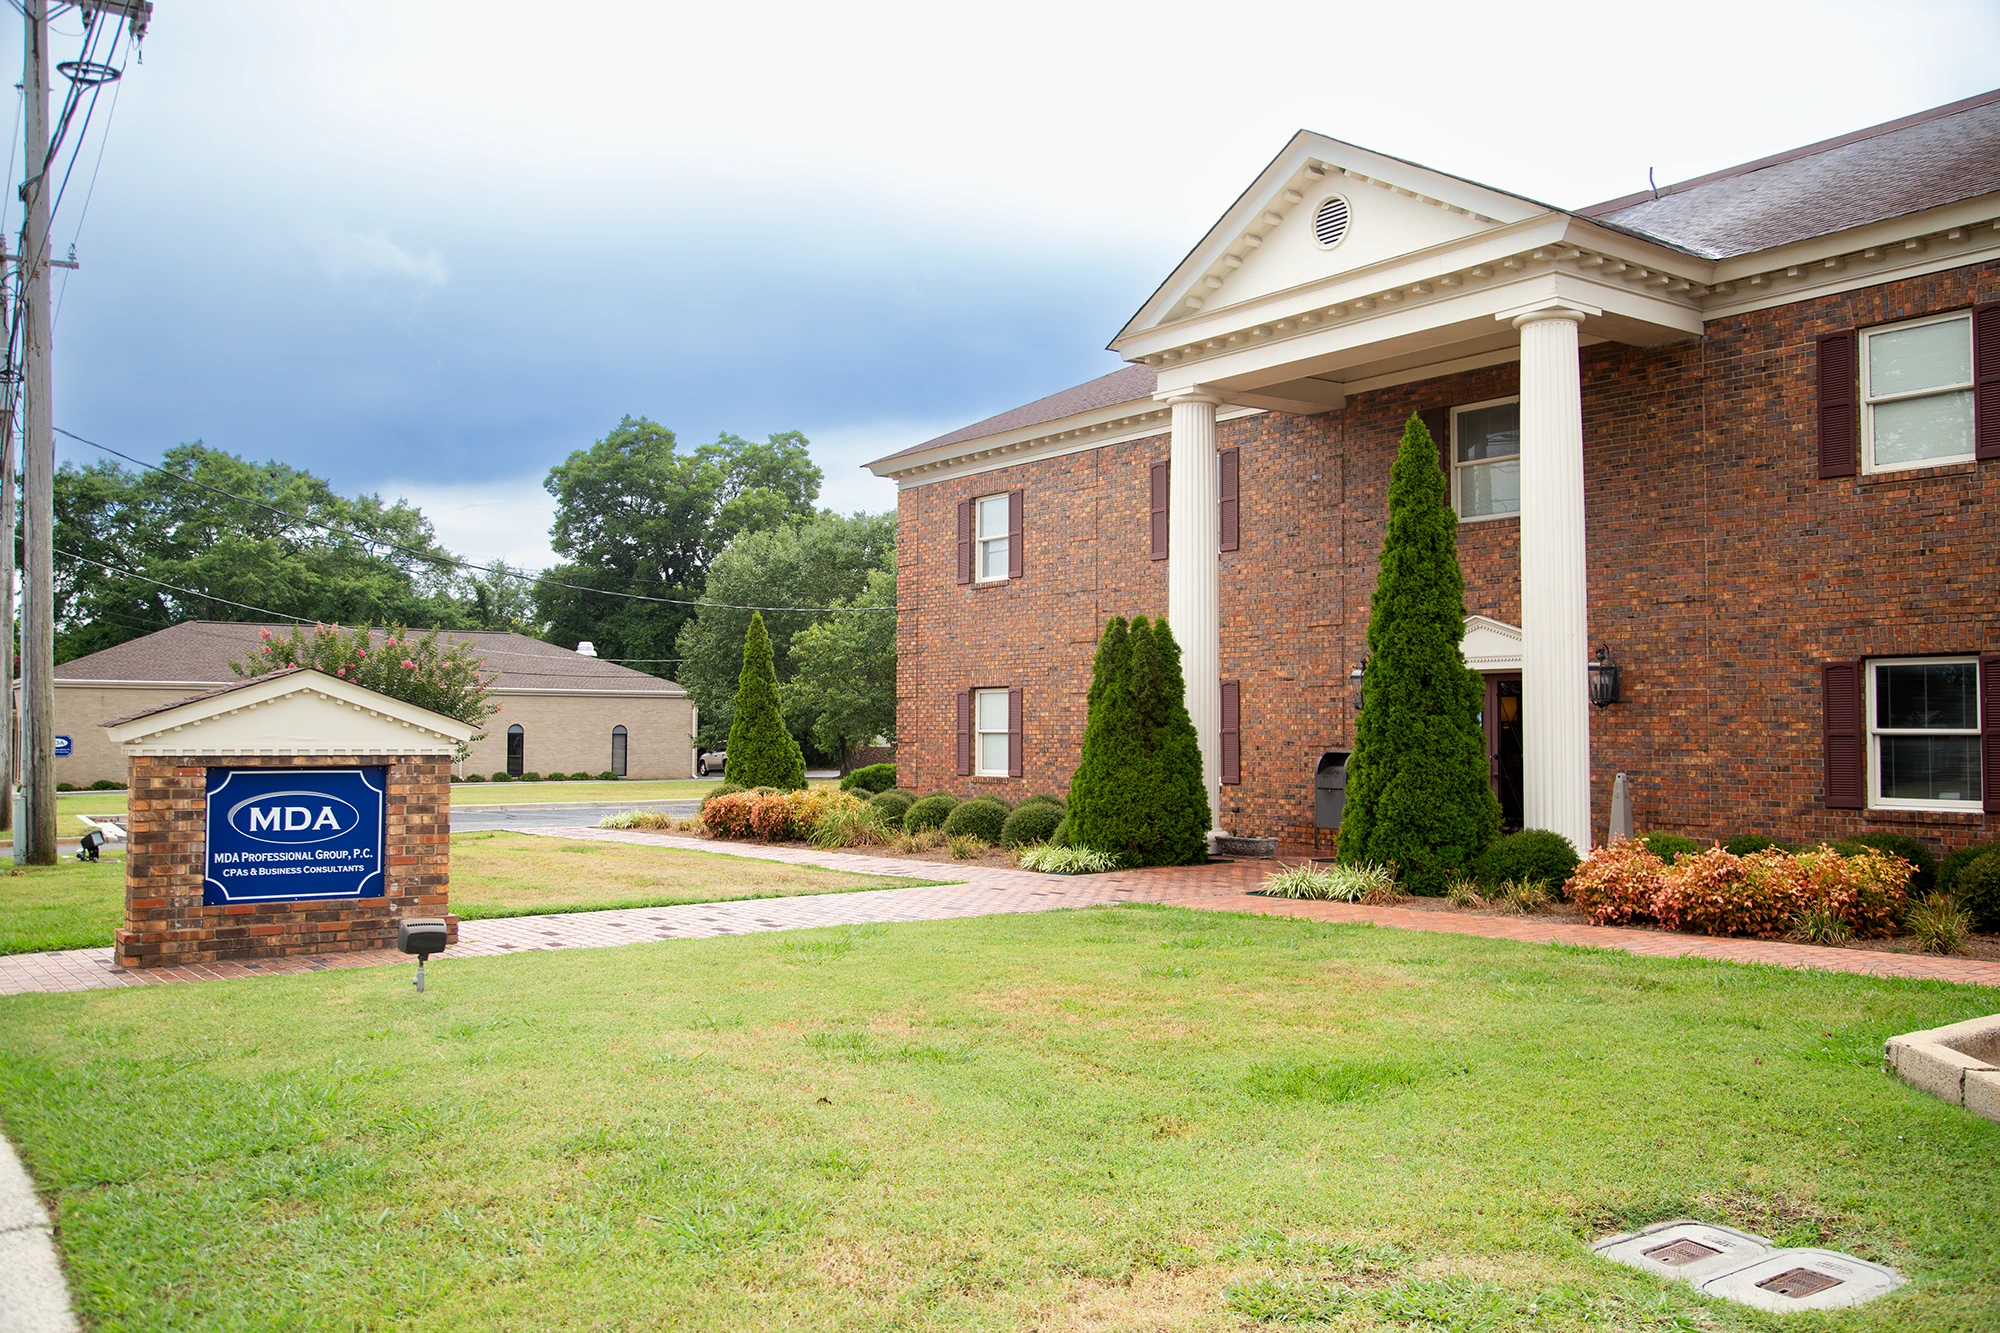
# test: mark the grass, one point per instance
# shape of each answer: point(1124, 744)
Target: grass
point(462, 793)
point(998, 1123)
point(69, 905)
point(76, 906)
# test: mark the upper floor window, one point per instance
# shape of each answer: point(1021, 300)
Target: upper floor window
point(1923, 733)
point(1486, 458)
point(990, 514)
point(1916, 393)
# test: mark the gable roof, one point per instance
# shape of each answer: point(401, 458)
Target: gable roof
point(1936, 157)
point(198, 652)
point(298, 711)
point(1129, 384)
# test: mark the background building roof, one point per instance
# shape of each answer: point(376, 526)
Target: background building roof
point(198, 652)
point(1129, 384)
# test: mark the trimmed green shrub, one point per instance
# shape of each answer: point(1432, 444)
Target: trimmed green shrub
point(931, 812)
point(1670, 847)
point(1531, 854)
point(890, 806)
point(474, 777)
point(982, 817)
point(607, 776)
point(719, 789)
point(872, 778)
point(1137, 794)
point(503, 776)
point(1032, 822)
point(1745, 843)
point(762, 752)
point(530, 776)
point(1046, 799)
point(1977, 890)
point(1905, 846)
point(106, 784)
point(1418, 797)
point(65, 786)
point(1954, 862)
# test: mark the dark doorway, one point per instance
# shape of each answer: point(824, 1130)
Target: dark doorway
point(1503, 745)
point(517, 751)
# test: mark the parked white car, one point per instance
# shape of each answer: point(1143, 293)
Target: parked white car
point(710, 762)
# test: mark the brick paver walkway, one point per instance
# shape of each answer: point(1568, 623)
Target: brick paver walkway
point(979, 891)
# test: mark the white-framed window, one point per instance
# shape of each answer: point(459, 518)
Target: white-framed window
point(989, 732)
point(1916, 393)
point(1486, 459)
point(1923, 733)
point(989, 518)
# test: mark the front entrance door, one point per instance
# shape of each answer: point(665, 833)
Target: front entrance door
point(1503, 744)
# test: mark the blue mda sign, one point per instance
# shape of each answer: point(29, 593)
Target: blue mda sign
point(286, 834)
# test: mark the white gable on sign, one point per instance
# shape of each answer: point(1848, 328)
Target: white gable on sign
point(294, 712)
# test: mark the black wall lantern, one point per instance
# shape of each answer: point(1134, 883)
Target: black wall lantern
point(1354, 679)
point(1603, 678)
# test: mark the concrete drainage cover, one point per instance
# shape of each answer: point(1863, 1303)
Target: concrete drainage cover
point(1786, 1280)
point(1687, 1250)
point(1737, 1266)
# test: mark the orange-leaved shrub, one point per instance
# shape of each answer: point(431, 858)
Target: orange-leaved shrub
point(1758, 894)
point(767, 815)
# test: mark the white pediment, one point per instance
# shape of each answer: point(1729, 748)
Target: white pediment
point(1491, 645)
point(294, 712)
point(1267, 244)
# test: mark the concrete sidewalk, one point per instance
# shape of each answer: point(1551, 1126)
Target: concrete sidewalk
point(33, 1296)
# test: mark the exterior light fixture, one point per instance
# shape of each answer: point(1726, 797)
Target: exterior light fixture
point(1354, 679)
point(1603, 678)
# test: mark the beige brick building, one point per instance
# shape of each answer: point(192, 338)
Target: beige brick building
point(560, 711)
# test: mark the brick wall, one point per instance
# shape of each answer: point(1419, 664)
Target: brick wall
point(1722, 573)
point(167, 923)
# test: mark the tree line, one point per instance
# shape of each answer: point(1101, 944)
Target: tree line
point(643, 530)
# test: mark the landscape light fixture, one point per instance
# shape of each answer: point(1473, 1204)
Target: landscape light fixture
point(422, 936)
point(1603, 678)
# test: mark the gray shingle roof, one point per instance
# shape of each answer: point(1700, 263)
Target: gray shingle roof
point(198, 652)
point(1886, 171)
point(1130, 384)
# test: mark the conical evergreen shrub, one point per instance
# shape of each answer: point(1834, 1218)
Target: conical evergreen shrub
point(1137, 793)
point(1417, 793)
point(762, 752)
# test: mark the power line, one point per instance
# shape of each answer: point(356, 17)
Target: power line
point(445, 557)
point(83, 215)
point(260, 610)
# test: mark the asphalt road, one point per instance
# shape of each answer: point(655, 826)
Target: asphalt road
point(479, 818)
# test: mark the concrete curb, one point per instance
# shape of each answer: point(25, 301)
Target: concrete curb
point(34, 1298)
point(1955, 1063)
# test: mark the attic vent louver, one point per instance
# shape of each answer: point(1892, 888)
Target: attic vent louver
point(1330, 224)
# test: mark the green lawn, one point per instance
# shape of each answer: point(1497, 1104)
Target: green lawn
point(72, 905)
point(462, 793)
point(1127, 1118)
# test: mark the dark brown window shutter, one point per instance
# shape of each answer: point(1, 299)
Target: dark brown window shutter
point(1989, 733)
point(1838, 455)
point(1986, 381)
point(1840, 714)
point(965, 541)
point(1016, 504)
point(965, 733)
point(1438, 422)
point(1229, 461)
point(1160, 481)
point(1014, 733)
point(1232, 731)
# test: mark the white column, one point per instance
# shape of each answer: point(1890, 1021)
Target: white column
point(1194, 541)
point(1555, 625)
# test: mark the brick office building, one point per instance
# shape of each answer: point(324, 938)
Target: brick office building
point(1742, 437)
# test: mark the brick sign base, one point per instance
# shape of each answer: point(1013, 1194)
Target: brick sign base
point(166, 922)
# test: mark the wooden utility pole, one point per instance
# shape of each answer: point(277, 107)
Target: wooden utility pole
point(36, 838)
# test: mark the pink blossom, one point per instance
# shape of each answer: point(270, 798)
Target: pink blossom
point(267, 647)
point(361, 653)
point(341, 671)
point(408, 665)
point(263, 634)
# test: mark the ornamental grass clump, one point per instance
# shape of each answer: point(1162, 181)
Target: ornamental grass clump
point(1065, 860)
point(966, 846)
point(1354, 883)
point(845, 820)
point(1939, 925)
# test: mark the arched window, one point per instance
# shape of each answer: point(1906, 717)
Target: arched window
point(517, 751)
point(618, 752)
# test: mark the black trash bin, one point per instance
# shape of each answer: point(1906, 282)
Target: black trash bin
point(1329, 792)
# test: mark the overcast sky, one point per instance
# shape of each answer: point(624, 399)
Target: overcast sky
point(429, 248)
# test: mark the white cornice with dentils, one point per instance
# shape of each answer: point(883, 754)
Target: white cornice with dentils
point(1119, 424)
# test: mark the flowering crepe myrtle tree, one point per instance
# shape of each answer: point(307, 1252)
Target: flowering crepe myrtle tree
point(445, 676)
